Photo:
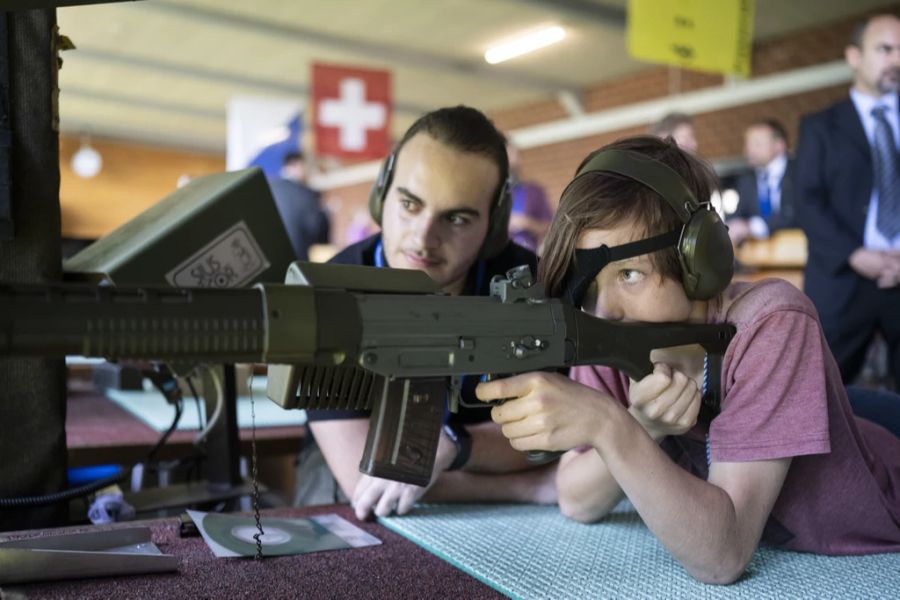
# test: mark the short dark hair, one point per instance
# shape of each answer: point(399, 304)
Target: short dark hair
point(669, 123)
point(602, 200)
point(857, 33)
point(292, 156)
point(774, 125)
point(466, 129)
point(859, 30)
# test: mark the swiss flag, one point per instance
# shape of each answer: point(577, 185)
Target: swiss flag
point(352, 108)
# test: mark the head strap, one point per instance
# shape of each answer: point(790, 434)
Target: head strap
point(590, 261)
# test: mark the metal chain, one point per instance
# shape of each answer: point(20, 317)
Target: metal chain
point(253, 474)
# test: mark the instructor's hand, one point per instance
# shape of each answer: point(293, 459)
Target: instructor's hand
point(383, 497)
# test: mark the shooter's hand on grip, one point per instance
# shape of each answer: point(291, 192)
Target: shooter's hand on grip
point(545, 411)
point(535, 457)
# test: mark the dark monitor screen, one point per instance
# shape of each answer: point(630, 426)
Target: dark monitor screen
point(220, 230)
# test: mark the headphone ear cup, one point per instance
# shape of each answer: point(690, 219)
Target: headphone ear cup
point(498, 224)
point(706, 254)
point(376, 202)
point(380, 188)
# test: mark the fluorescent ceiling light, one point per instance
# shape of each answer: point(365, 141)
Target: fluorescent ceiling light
point(524, 43)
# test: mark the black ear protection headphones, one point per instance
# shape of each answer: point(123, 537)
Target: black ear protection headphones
point(498, 218)
point(704, 248)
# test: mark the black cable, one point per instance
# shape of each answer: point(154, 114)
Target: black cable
point(151, 456)
point(200, 419)
point(88, 488)
point(192, 462)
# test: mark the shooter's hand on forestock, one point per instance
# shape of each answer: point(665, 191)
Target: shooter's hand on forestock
point(665, 402)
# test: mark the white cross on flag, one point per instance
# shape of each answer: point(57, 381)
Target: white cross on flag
point(352, 109)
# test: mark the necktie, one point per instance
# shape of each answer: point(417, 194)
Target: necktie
point(764, 195)
point(887, 175)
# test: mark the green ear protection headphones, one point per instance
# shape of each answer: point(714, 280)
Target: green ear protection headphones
point(704, 248)
point(498, 218)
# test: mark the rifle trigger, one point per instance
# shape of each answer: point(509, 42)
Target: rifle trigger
point(491, 377)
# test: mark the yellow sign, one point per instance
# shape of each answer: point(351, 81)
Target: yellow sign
point(706, 35)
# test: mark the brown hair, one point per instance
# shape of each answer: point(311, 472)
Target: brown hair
point(602, 200)
point(775, 126)
point(858, 33)
point(669, 123)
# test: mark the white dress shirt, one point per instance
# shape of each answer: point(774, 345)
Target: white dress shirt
point(774, 174)
point(872, 238)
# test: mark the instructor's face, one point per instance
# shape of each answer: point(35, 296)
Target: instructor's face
point(435, 215)
point(877, 62)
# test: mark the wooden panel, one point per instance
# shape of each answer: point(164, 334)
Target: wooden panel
point(133, 178)
point(783, 255)
point(786, 249)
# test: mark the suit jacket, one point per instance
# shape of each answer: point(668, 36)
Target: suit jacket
point(748, 205)
point(833, 185)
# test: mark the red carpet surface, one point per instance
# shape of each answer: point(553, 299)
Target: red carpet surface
point(395, 569)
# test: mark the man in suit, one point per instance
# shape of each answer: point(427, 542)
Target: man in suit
point(848, 186)
point(766, 192)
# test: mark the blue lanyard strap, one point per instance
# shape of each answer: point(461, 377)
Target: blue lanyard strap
point(705, 374)
point(379, 255)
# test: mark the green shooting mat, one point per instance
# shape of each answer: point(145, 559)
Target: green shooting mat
point(529, 551)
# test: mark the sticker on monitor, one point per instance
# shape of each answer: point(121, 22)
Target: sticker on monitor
point(232, 259)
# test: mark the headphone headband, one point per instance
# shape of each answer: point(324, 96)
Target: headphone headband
point(658, 176)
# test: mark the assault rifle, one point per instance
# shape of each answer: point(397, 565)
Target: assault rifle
point(345, 337)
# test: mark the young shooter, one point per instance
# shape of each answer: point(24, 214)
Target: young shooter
point(783, 459)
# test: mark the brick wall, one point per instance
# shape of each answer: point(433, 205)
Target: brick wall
point(719, 133)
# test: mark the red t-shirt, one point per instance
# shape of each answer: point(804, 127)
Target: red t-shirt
point(782, 396)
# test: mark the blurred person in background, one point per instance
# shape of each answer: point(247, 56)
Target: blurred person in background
point(531, 211)
point(299, 205)
point(766, 195)
point(678, 126)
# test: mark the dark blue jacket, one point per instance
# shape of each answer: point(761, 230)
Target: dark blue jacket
point(833, 185)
